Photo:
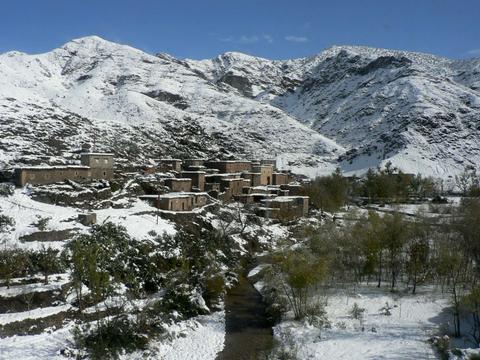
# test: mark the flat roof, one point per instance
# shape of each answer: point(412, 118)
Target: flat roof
point(98, 154)
point(261, 187)
point(173, 195)
point(193, 172)
point(288, 198)
point(55, 167)
point(170, 160)
point(178, 179)
point(229, 161)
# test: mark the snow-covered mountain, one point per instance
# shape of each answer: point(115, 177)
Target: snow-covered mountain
point(349, 106)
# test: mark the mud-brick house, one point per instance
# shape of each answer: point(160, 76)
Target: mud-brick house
point(178, 184)
point(187, 163)
point(177, 201)
point(198, 179)
point(101, 164)
point(271, 162)
point(42, 175)
point(229, 166)
point(289, 206)
point(293, 189)
point(254, 178)
point(233, 187)
point(170, 165)
point(94, 166)
point(280, 178)
point(266, 173)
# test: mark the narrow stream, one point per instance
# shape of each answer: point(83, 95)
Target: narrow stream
point(248, 332)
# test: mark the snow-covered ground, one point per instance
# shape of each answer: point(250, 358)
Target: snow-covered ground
point(402, 335)
point(26, 212)
point(200, 338)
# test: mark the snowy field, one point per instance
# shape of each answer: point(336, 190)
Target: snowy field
point(200, 338)
point(27, 212)
point(402, 335)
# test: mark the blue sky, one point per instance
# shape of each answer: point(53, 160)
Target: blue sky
point(276, 29)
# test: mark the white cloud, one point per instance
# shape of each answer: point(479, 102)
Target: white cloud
point(296, 39)
point(474, 52)
point(268, 38)
point(244, 39)
point(248, 39)
point(227, 39)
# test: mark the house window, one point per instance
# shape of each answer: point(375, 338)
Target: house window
point(105, 161)
point(104, 173)
point(97, 161)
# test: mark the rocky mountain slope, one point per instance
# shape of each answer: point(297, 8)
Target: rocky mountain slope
point(350, 106)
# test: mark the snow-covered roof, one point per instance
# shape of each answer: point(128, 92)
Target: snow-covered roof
point(230, 161)
point(174, 195)
point(235, 179)
point(97, 154)
point(287, 198)
point(55, 167)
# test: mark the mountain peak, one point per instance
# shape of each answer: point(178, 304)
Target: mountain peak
point(96, 43)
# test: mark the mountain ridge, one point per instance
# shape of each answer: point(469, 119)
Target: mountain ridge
point(347, 106)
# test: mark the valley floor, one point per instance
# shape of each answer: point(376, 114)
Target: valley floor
point(401, 335)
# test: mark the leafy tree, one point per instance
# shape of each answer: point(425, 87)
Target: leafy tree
point(368, 231)
point(299, 272)
point(471, 302)
point(328, 193)
point(13, 262)
point(467, 181)
point(47, 261)
point(451, 265)
point(394, 235)
point(418, 252)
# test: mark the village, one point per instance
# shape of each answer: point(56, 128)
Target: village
point(215, 240)
point(189, 184)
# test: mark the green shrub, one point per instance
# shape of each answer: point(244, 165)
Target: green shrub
point(214, 290)
point(110, 338)
point(42, 223)
point(181, 299)
point(317, 316)
point(357, 312)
